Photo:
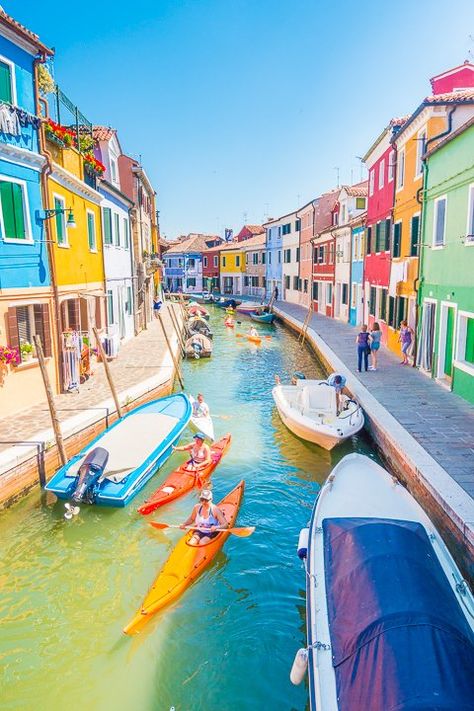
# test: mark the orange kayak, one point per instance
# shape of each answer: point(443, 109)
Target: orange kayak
point(184, 565)
point(254, 339)
point(182, 479)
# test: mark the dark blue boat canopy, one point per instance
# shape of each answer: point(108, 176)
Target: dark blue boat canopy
point(399, 639)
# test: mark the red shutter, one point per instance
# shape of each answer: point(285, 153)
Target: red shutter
point(13, 338)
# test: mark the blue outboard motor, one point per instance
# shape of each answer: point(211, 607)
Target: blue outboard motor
point(90, 472)
point(197, 348)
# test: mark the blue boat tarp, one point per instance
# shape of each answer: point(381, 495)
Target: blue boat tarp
point(399, 639)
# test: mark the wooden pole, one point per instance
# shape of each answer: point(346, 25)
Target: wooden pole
point(107, 372)
point(175, 362)
point(49, 394)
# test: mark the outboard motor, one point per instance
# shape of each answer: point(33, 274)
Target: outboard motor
point(90, 472)
point(197, 348)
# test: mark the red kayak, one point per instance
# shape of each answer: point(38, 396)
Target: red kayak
point(182, 479)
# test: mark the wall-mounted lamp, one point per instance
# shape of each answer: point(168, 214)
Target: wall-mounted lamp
point(48, 214)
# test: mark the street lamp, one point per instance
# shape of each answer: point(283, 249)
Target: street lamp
point(48, 214)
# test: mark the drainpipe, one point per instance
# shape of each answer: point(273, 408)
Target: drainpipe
point(421, 199)
point(46, 170)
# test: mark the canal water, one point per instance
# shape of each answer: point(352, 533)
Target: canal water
point(67, 589)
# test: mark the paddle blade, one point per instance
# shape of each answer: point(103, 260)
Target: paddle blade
point(242, 532)
point(158, 525)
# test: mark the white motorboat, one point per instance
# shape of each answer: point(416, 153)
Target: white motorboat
point(201, 423)
point(309, 410)
point(390, 621)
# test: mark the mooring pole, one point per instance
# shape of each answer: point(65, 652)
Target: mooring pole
point(107, 372)
point(175, 362)
point(49, 394)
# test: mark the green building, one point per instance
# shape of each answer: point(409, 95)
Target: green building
point(446, 294)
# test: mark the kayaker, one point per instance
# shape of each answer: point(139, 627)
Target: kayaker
point(199, 450)
point(200, 408)
point(253, 333)
point(229, 322)
point(205, 516)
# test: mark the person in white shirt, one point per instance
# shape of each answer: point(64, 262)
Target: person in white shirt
point(200, 408)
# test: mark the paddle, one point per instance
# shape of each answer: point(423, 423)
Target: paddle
point(241, 532)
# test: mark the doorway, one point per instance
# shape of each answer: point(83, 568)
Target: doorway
point(446, 342)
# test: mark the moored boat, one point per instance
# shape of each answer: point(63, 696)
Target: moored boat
point(115, 466)
point(264, 317)
point(309, 410)
point(224, 303)
point(198, 346)
point(185, 564)
point(197, 310)
point(196, 324)
point(248, 307)
point(201, 423)
point(390, 621)
point(184, 479)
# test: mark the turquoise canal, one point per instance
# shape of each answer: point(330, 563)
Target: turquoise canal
point(67, 589)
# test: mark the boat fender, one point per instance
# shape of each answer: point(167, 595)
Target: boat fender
point(300, 665)
point(303, 539)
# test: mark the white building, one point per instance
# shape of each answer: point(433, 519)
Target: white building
point(291, 277)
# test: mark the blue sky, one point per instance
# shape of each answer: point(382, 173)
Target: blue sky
point(244, 108)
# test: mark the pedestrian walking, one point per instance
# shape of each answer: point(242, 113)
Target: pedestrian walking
point(375, 338)
point(405, 337)
point(363, 348)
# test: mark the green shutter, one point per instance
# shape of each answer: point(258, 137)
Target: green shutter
point(369, 240)
point(5, 83)
point(397, 239)
point(415, 228)
point(117, 228)
point(59, 220)
point(388, 229)
point(469, 353)
point(126, 234)
point(107, 218)
point(11, 195)
point(91, 231)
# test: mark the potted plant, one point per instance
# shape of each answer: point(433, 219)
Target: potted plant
point(93, 165)
point(61, 135)
point(9, 356)
point(26, 350)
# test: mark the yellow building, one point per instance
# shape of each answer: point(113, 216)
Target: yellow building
point(75, 231)
point(232, 267)
point(438, 114)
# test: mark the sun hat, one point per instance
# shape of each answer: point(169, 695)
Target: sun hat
point(206, 494)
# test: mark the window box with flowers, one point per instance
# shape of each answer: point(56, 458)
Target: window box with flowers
point(92, 165)
point(61, 135)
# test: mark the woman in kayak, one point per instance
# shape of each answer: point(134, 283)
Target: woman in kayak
point(199, 450)
point(206, 517)
point(253, 333)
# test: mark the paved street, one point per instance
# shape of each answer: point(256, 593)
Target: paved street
point(439, 420)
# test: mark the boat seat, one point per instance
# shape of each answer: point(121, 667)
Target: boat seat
point(319, 400)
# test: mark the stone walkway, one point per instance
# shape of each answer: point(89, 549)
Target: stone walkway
point(442, 422)
point(139, 359)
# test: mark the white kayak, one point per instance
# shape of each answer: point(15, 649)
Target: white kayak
point(202, 424)
point(390, 621)
point(309, 410)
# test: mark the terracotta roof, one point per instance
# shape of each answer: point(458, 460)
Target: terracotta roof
point(254, 242)
point(450, 136)
point(103, 133)
point(24, 32)
point(451, 97)
point(234, 245)
point(357, 190)
point(193, 243)
point(255, 229)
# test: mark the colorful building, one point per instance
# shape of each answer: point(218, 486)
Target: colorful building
point(26, 297)
point(255, 266)
point(305, 216)
point(450, 105)
point(356, 306)
point(249, 231)
point(232, 268)
point(380, 162)
point(184, 263)
point(118, 248)
point(275, 231)
point(211, 269)
point(351, 203)
point(292, 283)
point(326, 219)
point(446, 297)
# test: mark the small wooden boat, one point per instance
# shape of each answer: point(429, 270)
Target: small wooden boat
point(309, 410)
point(185, 564)
point(390, 621)
point(113, 468)
point(196, 324)
point(247, 307)
point(184, 479)
point(197, 310)
point(198, 346)
point(227, 303)
point(262, 317)
point(200, 423)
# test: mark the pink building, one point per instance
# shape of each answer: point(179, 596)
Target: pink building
point(249, 231)
point(461, 77)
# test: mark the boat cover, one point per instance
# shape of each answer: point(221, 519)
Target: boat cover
point(399, 639)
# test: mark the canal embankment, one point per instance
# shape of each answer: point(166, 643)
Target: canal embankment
point(144, 370)
point(424, 433)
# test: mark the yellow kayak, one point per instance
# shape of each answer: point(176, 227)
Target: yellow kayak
point(184, 565)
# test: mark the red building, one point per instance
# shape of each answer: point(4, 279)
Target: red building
point(326, 217)
point(249, 231)
point(380, 242)
point(210, 268)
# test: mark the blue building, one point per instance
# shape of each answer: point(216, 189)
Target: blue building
point(356, 306)
point(274, 233)
point(183, 263)
point(25, 282)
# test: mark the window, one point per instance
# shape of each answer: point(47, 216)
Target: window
point(315, 290)
point(401, 170)
point(91, 236)
point(114, 170)
point(388, 233)
point(269, 234)
point(216, 261)
point(205, 261)
point(470, 217)
point(420, 151)
point(354, 296)
point(246, 257)
point(246, 280)
point(126, 232)
point(190, 282)
point(269, 257)
point(286, 229)
point(397, 239)
point(297, 254)
point(335, 218)
point(345, 294)
point(329, 294)
point(305, 286)
point(383, 304)
point(60, 221)
point(287, 256)
point(237, 260)
point(360, 203)
point(321, 254)
point(402, 310)
point(287, 282)
point(295, 283)
point(369, 240)
point(297, 225)
point(107, 220)
point(331, 253)
point(415, 236)
point(117, 229)
point(25, 322)
point(378, 231)
point(372, 300)
point(255, 258)
point(7, 81)
point(381, 173)
point(439, 222)
point(263, 257)
point(371, 182)
point(14, 204)
point(465, 341)
point(223, 261)
point(128, 300)
point(110, 307)
point(391, 166)
point(391, 311)
point(192, 263)
point(279, 257)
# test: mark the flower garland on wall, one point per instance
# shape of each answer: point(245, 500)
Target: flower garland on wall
point(94, 165)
